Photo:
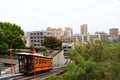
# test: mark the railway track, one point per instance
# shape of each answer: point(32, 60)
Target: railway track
point(41, 76)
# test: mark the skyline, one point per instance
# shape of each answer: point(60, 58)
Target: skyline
point(34, 15)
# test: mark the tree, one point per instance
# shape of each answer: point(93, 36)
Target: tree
point(8, 32)
point(52, 42)
point(93, 61)
point(97, 61)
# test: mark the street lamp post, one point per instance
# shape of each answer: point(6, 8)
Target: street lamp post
point(11, 52)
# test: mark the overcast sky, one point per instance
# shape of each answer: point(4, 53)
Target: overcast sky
point(32, 15)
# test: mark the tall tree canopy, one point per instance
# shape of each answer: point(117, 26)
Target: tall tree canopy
point(93, 61)
point(8, 32)
point(52, 42)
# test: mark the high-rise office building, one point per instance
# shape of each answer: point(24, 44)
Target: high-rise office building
point(57, 32)
point(113, 32)
point(83, 29)
point(68, 32)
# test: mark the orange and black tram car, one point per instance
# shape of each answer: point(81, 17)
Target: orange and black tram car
point(28, 63)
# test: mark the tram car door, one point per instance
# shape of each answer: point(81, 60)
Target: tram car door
point(25, 63)
point(22, 63)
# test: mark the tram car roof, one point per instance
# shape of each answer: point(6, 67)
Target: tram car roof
point(31, 54)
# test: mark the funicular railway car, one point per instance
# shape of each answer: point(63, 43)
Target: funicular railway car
point(29, 62)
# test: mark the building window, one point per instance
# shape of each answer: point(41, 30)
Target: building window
point(37, 33)
point(34, 40)
point(31, 33)
point(31, 37)
point(41, 37)
point(41, 33)
point(38, 37)
point(34, 33)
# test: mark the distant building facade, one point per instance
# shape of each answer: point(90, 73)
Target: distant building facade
point(27, 35)
point(102, 35)
point(27, 39)
point(114, 35)
point(48, 33)
point(37, 37)
point(56, 32)
point(68, 32)
point(64, 36)
point(119, 33)
point(83, 29)
point(91, 37)
point(113, 32)
point(27, 42)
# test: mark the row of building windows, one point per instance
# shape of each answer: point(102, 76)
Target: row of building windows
point(41, 33)
point(36, 40)
point(37, 44)
point(38, 37)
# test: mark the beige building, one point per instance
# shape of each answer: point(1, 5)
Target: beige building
point(86, 38)
point(68, 32)
point(119, 33)
point(83, 29)
point(57, 32)
point(113, 32)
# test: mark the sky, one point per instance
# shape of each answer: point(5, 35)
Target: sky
point(35, 15)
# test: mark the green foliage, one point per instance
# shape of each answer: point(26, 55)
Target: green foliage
point(8, 32)
point(52, 42)
point(94, 61)
point(31, 48)
point(42, 51)
point(3, 46)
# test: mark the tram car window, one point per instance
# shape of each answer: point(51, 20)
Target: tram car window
point(36, 61)
point(40, 61)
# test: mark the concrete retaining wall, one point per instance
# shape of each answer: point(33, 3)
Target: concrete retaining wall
point(7, 61)
point(59, 59)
